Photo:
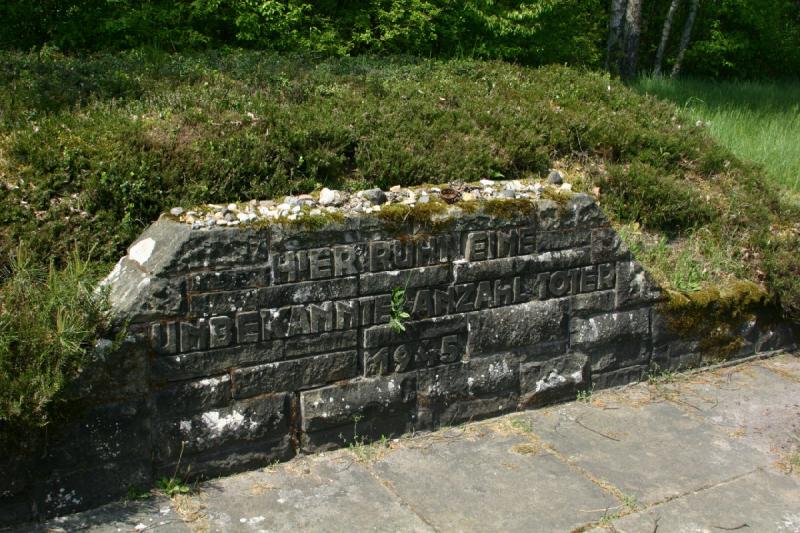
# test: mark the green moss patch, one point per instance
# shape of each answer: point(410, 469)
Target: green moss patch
point(715, 317)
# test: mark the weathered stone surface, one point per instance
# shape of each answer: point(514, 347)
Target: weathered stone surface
point(115, 372)
point(635, 287)
point(327, 497)
point(592, 303)
point(385, 282)
point(559, 240)
point(613, 340)
point(265, 420)
point(471, 390)
point(517, 326)
point(477, 483)
point(65, 491)
point(226, 280)
point(552, 380)
point(775, 337)
point(364, 408)
point(617, 378)
point(192, 396)
point(607, 246)
point(587, 212)
point(297, 374)
point(113, 432)
point(649, 451)
point(213, 362)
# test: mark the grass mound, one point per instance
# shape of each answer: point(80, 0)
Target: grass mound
point(93, 148)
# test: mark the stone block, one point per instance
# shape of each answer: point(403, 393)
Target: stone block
point(230, 459)
point(607, 246)
point(361, 408)
point(264, 419)
point(223, 302)
point(609, 328)
point(308, 292)
point(288, 237)
point(185, 397)
point(613, 340)
point(592, 303)
point(775, 337)
point(110, 433)
point(467, 391)
point(423, 343)
point(617, 378)
point(15, 509)
point(551, 216)
point(517, 326)
point(675, 356)
point(227, 280)
point(386, 281)
point(306, 345)
point(586, 212)
point(88, 485)
point(384, 335)
point(635, 287)
point(213, 362)
point(466, 272)
point(553, 380)
point(114, 372)
point(222, 248)
point(558, 240)
point(294, 375)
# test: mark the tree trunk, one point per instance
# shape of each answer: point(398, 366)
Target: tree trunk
point(615, 26)
point(662, 46)
point(687, 34)
point(630, 40)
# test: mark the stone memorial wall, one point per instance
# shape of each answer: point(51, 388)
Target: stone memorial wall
point(247, 344)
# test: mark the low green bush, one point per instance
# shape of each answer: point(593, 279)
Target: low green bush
point(659, 201)
point(49, 319)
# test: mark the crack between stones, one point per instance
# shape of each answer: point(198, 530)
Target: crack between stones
point(653, 505)
point(782, 373)
point(387, 485)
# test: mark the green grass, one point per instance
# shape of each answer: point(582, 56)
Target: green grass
point(759, 121)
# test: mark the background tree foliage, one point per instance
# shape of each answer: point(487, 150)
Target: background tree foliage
point(732, 38)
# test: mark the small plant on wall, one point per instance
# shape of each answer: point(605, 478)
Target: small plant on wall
point(397, 313)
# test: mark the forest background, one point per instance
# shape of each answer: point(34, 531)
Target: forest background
point(727, 38)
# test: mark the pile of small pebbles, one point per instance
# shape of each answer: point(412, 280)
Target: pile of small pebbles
point(329, 201)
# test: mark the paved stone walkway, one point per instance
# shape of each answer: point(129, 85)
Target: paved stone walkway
point(714, 451)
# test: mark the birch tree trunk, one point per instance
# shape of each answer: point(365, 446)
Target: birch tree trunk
point(631, 34)
point(665, 31)
point(687, 35)
point(615, 26)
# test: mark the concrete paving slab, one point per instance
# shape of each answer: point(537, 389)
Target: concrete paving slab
point(759, 502)
point(649, 452)
point(751, 403)
point(321, 493)
point(152, 515)
point(487, 481)
point(786, 364)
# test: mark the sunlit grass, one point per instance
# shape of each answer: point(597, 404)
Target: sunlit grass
point(759, 121)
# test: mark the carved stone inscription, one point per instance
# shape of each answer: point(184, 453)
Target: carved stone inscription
point(510, 249)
